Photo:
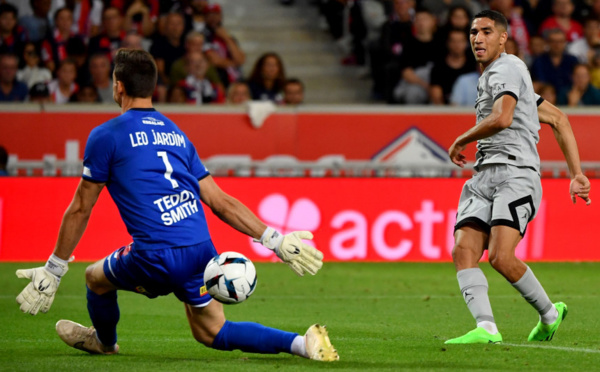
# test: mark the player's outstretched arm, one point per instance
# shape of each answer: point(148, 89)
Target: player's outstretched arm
point(499, 119)
point(558, 120)
point(38, 295)
point(300, 256)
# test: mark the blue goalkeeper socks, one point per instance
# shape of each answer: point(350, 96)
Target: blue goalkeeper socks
point(104, 312)
point(253, 338)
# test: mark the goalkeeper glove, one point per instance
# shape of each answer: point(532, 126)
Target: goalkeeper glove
point(300, 256)
point(39, 294)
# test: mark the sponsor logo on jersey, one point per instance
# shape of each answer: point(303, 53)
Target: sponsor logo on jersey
point(203, 291)
point(152, 121)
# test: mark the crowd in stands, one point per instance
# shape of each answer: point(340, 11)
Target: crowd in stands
point(62, 51)
point(415, 51)
point(418, 51)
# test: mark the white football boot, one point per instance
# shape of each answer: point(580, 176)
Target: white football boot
point(82, 338)
point(318, 345)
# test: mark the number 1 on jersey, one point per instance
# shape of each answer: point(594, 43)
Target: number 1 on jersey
point(169, 168)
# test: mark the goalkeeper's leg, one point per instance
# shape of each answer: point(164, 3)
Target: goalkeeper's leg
point(210, 328)
point(104, 313)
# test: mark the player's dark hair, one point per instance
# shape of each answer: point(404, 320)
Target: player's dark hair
point(137, 71)
point(498, 18)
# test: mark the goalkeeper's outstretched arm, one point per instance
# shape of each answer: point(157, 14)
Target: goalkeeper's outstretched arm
point(300, 256)
point(38, 295)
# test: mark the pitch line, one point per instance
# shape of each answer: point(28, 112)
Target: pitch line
point(561, 348)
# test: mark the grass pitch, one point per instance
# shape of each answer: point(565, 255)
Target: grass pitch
point(385, 316)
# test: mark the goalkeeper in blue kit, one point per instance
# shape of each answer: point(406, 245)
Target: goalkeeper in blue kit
point(155, 177)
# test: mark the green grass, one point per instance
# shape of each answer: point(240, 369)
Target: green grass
point(387, 316)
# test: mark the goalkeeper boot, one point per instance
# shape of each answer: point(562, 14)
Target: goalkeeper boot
point(477, 336)
point(318, 345)
point(82, 338)
point(545, 332)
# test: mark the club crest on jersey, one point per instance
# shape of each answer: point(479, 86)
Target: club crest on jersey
point(152, 121)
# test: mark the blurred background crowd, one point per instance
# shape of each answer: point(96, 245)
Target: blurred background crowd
point(408, 51)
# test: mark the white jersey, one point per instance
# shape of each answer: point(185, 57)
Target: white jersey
point(515, 145)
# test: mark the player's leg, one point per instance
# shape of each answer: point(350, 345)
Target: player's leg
point(209, 327)
point(471, 239)
point(104, 313)
point(470, 243)
point(515, 205)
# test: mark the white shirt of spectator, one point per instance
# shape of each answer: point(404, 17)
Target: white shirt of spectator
point(56, 94)
point(33, 75)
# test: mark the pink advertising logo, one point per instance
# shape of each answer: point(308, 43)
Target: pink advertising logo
point(276, 211)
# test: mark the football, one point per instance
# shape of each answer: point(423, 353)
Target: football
point(230, 277)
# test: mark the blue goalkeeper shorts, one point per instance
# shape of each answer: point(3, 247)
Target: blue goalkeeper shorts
point(158, 272)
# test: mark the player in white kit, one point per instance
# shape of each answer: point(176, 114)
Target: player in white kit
point(498, 202)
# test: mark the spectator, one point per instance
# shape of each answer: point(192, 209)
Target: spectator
point(238, 93)
point(267, 78)
point(417, 61)
point(194, 42)
point(464, 90)
point(54, 46)
point(581, 92)
point(440, 8)
point(77, 51)
point(555, 66)
point(561, 19)
point(39, 93)
point(595, 68)
point(12, 36)
point(223, 52)
point(168, 48)
point(518, 26)
point(583, 48)
point(537, 47)
point(3, 161)
point(32, 73)
point(140, 15)
point(547, 92)
point(64, 85)
point(11, 89)
point(385, 54)
point(112, 35)
point(101, 77)
point(86, 94)
point(293, 92)
point(459, 18)
point(511, 47)
point(37, 24)
point(199, 90)
point(195, 15)
point(457, 61)
point(132, 41)
point(87, 16)
point(176, 94)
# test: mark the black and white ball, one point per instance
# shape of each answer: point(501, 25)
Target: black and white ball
point(230, 277)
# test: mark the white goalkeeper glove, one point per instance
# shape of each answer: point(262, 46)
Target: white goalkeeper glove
point(300, 256)
point(39, 294)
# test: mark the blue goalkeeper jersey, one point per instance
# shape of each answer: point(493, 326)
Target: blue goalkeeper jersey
point(151, 170)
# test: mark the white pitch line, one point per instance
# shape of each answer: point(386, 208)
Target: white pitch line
point(561, 348)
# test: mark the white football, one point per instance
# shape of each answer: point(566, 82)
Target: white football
point(230, 277)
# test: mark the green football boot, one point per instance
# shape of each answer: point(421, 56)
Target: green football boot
point(477, 336)
point(545, 332)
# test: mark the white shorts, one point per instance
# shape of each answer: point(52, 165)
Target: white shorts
point(500, 194)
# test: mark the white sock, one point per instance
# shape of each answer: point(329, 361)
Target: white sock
point(488, 326)
point(550, 316)
point(299, 347)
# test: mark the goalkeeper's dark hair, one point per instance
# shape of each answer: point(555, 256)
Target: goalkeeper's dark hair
point(498, 18)
point(137, 71)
